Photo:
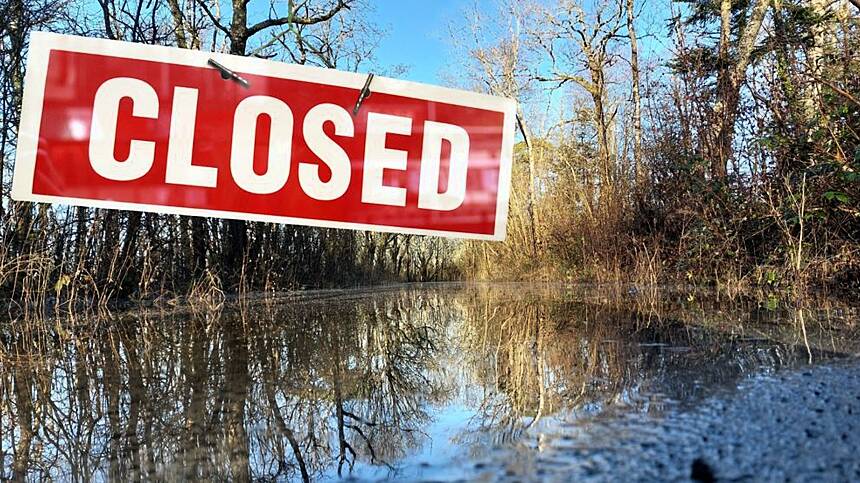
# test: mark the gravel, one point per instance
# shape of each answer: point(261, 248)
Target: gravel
point(801, 425)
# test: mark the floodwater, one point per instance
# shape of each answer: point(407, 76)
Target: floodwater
point(439, 382)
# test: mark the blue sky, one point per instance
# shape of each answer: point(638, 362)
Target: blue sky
point(417, 31)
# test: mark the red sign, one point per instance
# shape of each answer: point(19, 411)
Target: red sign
point(119, 125)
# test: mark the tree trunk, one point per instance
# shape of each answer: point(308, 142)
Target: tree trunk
point(532, 208)
point(602, 139)
point(730, 77)
point(823, 40)
point(17, 31)
point(239, 27)
point(178, 24)
point(637, 102)
point(198, 244)
point(237, 230)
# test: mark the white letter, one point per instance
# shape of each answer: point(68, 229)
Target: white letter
point(181, 143)
point(244, 138)
point(378, 158)
point(429, 196)
point(141, 154)
point(328, 151)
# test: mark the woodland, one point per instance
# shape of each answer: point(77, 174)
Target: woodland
point(702, 142)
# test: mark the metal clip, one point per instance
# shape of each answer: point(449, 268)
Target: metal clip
point(364, 94)
point(229, 74)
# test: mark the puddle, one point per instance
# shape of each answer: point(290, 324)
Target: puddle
point(433, 382)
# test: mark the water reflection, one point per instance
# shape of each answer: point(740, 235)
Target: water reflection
point(355, 383)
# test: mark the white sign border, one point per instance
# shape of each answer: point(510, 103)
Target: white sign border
point(41, 43)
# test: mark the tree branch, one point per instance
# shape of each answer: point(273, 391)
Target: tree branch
point(562, 78)
point(274, 22)
point(214, 20)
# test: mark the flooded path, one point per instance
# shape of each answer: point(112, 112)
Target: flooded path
point(440, 382)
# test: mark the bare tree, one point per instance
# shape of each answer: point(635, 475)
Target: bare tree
point(500, 67)
point(579, 45)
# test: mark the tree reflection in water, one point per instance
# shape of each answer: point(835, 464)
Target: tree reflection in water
point(275, 391)
point(299, 389)
point(580, 356)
